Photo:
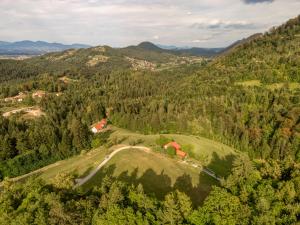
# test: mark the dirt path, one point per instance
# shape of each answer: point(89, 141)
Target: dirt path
point(105, 161)
point(82, 181)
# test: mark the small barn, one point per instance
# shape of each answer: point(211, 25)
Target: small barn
point(99, 126)
point(177, 147)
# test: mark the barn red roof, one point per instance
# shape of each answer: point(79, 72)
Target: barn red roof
point(101, 124)
point(180, 153)
point(177, 148)
point(174, 145)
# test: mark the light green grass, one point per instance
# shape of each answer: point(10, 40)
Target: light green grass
point(81, 164)
point(212, 154)
point(157, 174)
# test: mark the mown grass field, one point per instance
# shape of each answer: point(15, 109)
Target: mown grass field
point(80, 164)
point(213, 154)
point(157, 174)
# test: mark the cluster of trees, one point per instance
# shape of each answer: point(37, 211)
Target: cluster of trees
point(267, 193)
point(26, 145)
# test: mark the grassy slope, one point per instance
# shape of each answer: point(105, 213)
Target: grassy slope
point(80, 164)
point(158, 174)
point(212, 154)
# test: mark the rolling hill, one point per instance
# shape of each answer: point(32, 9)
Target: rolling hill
point(34, 48)
point(184, 51)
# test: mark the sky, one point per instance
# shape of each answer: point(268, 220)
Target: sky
point(199, 23)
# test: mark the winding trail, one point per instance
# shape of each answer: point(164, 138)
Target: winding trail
point(82, 181)
point(105, 161)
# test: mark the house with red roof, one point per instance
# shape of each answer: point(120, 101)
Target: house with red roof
point(177, 148)
point(99, 126)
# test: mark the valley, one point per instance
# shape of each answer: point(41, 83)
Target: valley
point(145, 135)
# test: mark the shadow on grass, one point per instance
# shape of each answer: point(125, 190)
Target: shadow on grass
point(221, 166)
point(87, 172)
point(158, 185)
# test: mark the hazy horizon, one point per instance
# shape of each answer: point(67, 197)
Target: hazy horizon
point(119, 23)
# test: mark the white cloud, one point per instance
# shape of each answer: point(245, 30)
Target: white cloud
point(210, 23)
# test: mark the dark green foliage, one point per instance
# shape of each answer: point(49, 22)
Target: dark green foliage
point(162, 140)
point(267, 193)
point(202, 99)
point(171, 151)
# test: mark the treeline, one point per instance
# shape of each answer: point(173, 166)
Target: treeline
point(267, 193)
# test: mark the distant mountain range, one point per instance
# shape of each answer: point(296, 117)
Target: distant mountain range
point(34, 47)
point(191, 51)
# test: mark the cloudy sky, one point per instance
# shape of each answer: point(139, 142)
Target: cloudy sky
point(202, 23)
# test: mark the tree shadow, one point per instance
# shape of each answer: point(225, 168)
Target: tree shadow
point(87, 172)
point(221, 166)
point(158, 185)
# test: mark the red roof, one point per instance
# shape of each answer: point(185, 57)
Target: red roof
point(180, 153)
point(174, 145)
point(101, 124)
point(177, 148)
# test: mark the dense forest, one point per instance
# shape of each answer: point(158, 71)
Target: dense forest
point(265, 193)
point(248, 98)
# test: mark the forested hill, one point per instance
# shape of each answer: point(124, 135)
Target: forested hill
point(87, 62)
point(272, 57)
point(248, 98)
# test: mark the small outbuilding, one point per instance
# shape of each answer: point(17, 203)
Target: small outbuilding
point(177, 148)
point(99, 126)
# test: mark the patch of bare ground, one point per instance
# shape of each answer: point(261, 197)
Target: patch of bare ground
point(94, 60)
point(28, 112)
point(67, 80)
point(66, 54)
point(18, 98)
point(99, 49)
point(38, 94)
point(138, 64)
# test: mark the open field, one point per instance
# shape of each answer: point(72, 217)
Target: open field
point(156, 173)
point(80, 164)
point(216, 156)
point(212, 154)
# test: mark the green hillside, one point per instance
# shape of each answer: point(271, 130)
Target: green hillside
point(247, 99)
point(272, 57)
point(158, 173)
